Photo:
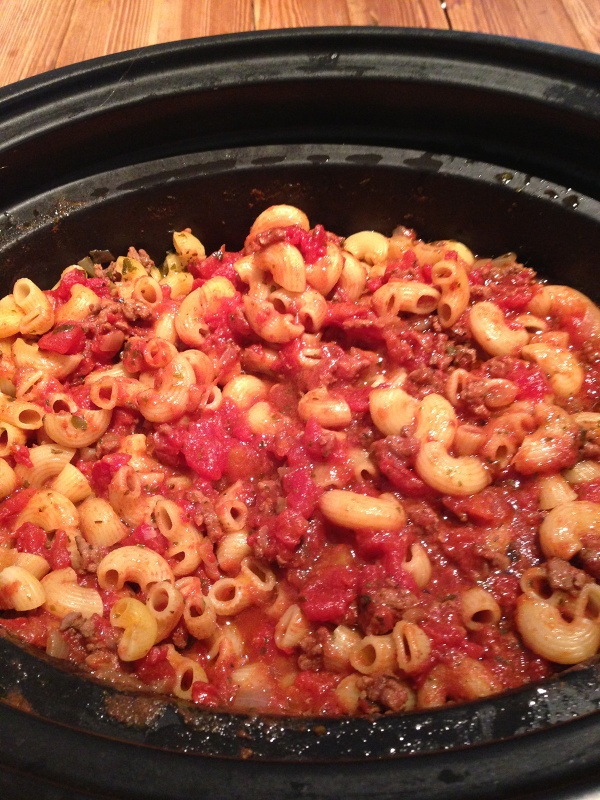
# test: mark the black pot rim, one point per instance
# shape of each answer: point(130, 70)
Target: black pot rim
point(466, 45)
point(506, 72)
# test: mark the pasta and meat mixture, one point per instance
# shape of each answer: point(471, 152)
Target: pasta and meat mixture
point(316, 476)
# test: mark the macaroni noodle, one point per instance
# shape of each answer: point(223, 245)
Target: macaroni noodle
point(315, 475)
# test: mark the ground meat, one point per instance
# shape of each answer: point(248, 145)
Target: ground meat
point(425, 380)
point(91, 555)
point(111, 316)
point(589, 450)
point(364, 332)
point(119, 315)
point(421, 514)
point(589, 555)
point(459, 331)
point(385, 693)
point(94, 642)
point(105, 664)
point(501, 268)
point(564, 577)
point(354, 362)
point(206, 514)
point(481, 292)
point(323, 443)
point(135, 310)
point(440, 359)
point(268, 498)
point(501, 366)
point(401, 446)
point(141, 256)
point(75, 621)
point(496, 559)
point(312, 650)
point(109, 443)
point(473, 396)
point(463, 357)
point(395, 456)
point(264, 239)
point(180, 636)
point(379, 611)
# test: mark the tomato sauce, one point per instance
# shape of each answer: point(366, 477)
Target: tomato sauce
point(339, 615)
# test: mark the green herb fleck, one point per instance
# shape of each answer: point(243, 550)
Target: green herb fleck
point(79, 423)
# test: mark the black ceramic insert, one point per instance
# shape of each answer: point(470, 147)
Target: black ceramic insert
point(488, 140)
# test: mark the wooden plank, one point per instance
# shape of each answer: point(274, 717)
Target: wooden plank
point(571, 23)
point(299, 13)
point(585, 16)
point(416, 14)
point(306, 13)
point(174, 20)
point(22, 52)
point(38, 35)
point(74, 30)
point(110, 26)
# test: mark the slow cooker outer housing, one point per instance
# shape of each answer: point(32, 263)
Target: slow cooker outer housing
point(490, 140)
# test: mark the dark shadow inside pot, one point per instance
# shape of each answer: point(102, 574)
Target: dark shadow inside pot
point(492, 208)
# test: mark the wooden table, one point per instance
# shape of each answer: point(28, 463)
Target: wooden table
point(39, 35)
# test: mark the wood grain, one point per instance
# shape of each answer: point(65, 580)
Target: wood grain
point(571, 23)
point(306, 13)
point(75, 30)
point(585, 16)
point(39, 35)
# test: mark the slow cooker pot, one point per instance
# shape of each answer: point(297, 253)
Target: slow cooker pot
point(488, 140)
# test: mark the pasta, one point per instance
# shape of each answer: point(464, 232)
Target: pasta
point(315, 475)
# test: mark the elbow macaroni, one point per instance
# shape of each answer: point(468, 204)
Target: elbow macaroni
point(314, 475)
